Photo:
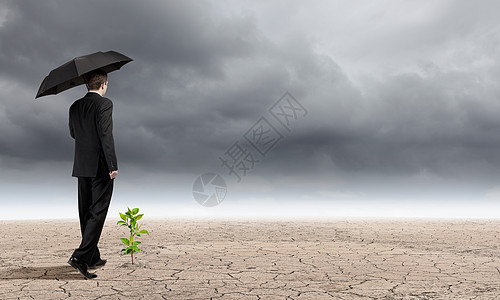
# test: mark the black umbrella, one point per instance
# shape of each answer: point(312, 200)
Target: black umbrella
point(70, 74)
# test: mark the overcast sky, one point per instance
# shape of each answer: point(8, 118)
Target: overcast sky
point(402, 101)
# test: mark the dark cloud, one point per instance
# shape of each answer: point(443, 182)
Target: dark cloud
point(178, 48)
point(202, 76)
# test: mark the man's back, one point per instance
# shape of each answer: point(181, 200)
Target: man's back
point(91, 125)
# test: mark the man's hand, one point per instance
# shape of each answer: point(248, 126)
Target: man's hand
point(113, 174)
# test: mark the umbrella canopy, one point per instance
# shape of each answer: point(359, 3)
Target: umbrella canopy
point(71, 73)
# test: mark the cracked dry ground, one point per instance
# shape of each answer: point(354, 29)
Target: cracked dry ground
point(200, 259)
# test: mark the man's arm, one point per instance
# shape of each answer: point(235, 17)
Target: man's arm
point(105, 131)
point(71, 131)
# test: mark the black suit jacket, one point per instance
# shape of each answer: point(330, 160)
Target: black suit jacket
point(91, 125)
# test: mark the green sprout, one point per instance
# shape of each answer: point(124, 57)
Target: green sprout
point(130, 219)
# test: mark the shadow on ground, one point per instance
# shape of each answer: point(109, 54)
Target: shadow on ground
point(56, 272)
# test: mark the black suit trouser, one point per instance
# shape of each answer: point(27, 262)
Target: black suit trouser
point(94, 197)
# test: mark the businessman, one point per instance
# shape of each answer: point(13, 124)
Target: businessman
point(95, 165)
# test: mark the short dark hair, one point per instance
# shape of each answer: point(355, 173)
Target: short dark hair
point(95, 78)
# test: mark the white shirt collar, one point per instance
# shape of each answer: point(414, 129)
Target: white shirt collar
point(95, 92)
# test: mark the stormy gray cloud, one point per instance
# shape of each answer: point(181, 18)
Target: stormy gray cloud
point(402, 97)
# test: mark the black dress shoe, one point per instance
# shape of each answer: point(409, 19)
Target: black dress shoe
point(99, 263)
point(81, 267)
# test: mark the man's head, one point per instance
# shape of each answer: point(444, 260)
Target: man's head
point(97, 81)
